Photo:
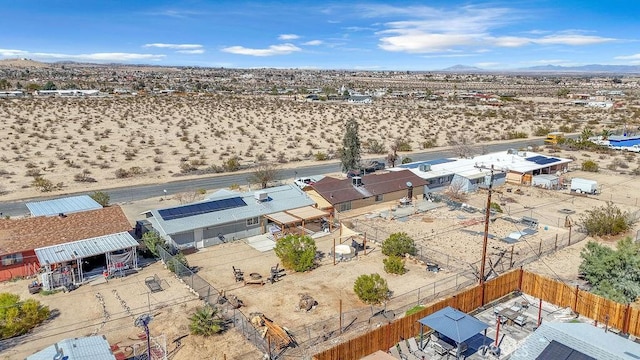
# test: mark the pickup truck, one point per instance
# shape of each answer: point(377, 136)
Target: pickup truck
point(373, 166)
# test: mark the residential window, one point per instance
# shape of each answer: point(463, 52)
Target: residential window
point(379, 198)
point(11, 259)
point(253, 221)
point(346, 206)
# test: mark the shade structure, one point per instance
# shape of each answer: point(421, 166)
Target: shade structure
point(454, 324)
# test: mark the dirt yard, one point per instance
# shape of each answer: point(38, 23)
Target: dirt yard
point(453, 237)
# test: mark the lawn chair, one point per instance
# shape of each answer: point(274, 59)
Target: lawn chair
point(415, 349)
point(238, 274)
point(405, 352)
point(394, 352)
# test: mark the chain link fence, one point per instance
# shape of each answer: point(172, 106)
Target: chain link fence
point(211, 296)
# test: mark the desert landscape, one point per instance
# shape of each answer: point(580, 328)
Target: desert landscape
point(59, 145)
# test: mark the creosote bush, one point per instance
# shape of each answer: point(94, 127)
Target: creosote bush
point(19, 317)
point(589, 165)
point(371, 289)
point(606, 220)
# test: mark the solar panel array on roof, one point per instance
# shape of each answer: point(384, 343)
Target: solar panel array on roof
point(201, 208)
point(558, 351)
point(542, 160)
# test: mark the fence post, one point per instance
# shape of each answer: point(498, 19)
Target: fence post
point(555, 247)
point(520, 278)
point(540, 249)
point(575, 301)
point(419, 294)
point(340, 311)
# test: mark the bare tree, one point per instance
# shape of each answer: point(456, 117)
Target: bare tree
point(187, 197)
point(456, 191)
point(392, 157)
point(263, 174)
point(463, 146)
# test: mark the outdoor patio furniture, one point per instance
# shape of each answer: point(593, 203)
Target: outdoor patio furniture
point(459, 350)
point(153, 283)
point(405, 352)
point(394, 352)
point(497, 310)
point(238, 274)
point(520, 320)
point(415, 349)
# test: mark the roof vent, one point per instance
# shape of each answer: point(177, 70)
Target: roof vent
point(356, 181)
point(261, 195)
point(424, 167)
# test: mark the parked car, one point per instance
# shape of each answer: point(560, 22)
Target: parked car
point(374, 165)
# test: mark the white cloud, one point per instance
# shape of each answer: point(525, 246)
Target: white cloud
point(417, 42)
point(429, 30)
point(487, 64)
point(286, 37)
point(100, 57)
point(174, 46)
point(193, 52)
point(572, 39)
point(628, 57)
point(313, 43)
point(282, 49)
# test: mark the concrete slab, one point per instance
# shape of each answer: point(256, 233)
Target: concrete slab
point(262, 243)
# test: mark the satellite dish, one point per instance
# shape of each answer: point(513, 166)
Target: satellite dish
point(409, 184)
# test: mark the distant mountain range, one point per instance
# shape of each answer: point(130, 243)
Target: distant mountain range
point(593, 68)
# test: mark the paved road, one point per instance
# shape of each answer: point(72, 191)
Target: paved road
point(133, 193)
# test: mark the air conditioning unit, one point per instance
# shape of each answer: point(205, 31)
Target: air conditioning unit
point(261, 195)
point(424, 167)
point(357, 181)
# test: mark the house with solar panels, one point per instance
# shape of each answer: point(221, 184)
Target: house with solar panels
point(228, 215)
point(511, 166)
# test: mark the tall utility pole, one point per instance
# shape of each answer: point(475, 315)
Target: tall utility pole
point(487, 217)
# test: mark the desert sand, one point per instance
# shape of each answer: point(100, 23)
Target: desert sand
point(155, 139)
point(84, 144)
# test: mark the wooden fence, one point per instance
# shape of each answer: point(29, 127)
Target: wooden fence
point(616, 315)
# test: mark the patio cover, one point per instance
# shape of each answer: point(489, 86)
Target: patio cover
point(345, 232)
point(308, 213)
point(85, 248)
point(454, 324)
point(320, 201)
point(283, 218)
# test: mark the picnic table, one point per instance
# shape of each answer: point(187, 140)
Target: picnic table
point(510, 314)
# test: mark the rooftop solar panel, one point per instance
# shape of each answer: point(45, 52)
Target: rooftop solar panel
point(201, 208)
point(427, 162)
point(558, 351)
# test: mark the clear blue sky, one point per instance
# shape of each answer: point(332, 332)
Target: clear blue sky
point(372, 35)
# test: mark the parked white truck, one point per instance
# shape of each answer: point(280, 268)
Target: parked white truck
point(584, 186)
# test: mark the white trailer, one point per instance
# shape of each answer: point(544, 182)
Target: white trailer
point(584, 186)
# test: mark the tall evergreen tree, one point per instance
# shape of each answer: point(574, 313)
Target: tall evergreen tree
point(350, 152)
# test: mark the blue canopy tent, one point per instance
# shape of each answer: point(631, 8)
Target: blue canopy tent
point(453, 324)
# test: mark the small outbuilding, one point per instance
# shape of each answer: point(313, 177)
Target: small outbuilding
point(90, 347)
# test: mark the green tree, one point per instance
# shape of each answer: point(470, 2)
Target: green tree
point(4, 84)
point(613, 273)
point(394, 265)
point(49, 86)
point(399, 244)
point(586, 134)
point(296, 252)
point(371, 289)
point(179, 258)
point(350, 152)
point(101, 198)
point(606, 220)
point(263, 174)
point(205, 322)
point(19, 317)
point(152, 240)
point(406, 160)
point(606, 133)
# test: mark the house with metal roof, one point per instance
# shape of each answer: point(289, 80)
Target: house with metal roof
point(511, 166)
point(20, 238)
point(565, 341)
point(226, 216)
point(90, 347)
point(66, 205)
point(358, 192)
